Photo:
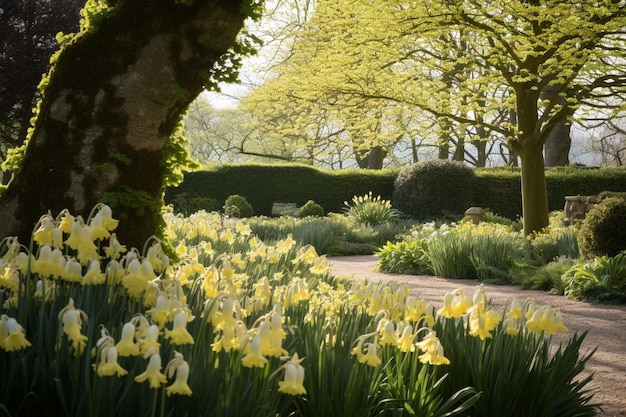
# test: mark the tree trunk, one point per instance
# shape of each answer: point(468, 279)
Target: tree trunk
point(534, 189)
point(558, 142)
point(558, 145)
point(373, 159)
point(114, 99)
point(529, 147)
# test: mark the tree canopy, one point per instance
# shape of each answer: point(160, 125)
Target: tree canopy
point(456, 70)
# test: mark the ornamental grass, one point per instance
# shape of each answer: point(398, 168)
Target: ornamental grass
point(238, 327)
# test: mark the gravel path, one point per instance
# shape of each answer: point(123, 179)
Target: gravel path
point(606, 324)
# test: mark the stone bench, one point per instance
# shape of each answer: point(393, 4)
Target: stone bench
point(284, 209)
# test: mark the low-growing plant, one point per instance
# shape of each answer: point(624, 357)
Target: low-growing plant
point(547, 277)
point(603, 279)
point(311, 209)
point(315, 232)
point(404, 257)
point(557, 240)
point(371, 211)
point(237, 206)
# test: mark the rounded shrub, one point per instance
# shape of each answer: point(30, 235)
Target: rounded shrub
point(603, 231)
point(237, 206)
point(433, 189)
point(311, 209)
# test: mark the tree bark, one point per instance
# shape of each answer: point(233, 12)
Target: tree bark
point(559, 141)
point(114, 98)
point(529, 147)
point(558, 145)
point(534, 189)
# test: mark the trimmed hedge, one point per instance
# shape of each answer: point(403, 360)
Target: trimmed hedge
point(497, 189)
point(263, 185)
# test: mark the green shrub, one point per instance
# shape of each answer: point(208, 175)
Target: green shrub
point(607, 194)
point(188, 205)
point(237, 206)
point(603, 279)
point(603, 232)
point(405, 257)
point(370, 210)
point(434, 188)
point(555, 241)
point(311, 209)
point(548, 277)
point(318, 233)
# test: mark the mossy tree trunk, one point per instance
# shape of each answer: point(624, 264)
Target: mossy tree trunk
point(114, 98)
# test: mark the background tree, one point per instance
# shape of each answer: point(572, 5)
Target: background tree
point(27, 41)
point(541, 60)
point(106, 126)
point(225, 135)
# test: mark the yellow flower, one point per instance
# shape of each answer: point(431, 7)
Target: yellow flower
point(293, 384)
point(108, 366)
point(153, 374)
point(149, 342)
point(179, 366)
point(94, 275)
point(515, 309)
point(72, 319)
point(254, 356)
point(14, 335)
point(405, 342)
point(156, 257)
point(49, 263)
point(10, 277)
point(320, 266)
point(103, 220)
point(371, 356)
point(455, 304)
point(127, 346)
point(114, 249)
point(43, 235)
point(179, 334)
point(285, 245)
point(547, 320)
point(433, 350)
point(387, 332)
point(73, 271)
point(181, 249)
point(80, 240)
point(135, 280)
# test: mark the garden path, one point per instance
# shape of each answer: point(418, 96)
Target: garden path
point(606, 324)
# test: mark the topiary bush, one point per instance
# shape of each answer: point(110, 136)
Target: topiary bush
point(237, 206)
point(434, 188)
point(603, 232)
point(311, 209)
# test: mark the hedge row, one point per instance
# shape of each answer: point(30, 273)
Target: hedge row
point(497, 188)
point(263, 185)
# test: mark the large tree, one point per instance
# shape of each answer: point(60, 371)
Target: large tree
point(105, 128)
point(540, 59)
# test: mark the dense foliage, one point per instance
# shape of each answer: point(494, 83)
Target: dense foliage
point(603, 232)
point(432, 188)
point(311, 208)
point(237, 206)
